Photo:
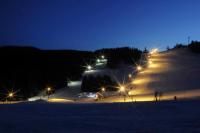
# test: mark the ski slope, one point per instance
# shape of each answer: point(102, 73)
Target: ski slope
point(74, 87)
point(174, 73)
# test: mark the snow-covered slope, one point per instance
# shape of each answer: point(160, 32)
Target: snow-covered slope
point(120, 75)
point(175, 72)
point(68, 93)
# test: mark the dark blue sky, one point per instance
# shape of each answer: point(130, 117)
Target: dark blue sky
point(94, 24)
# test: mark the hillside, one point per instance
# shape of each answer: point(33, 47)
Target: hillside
point(28, 70)
point(173, 73)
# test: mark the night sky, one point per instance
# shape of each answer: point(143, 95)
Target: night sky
point(94, 24)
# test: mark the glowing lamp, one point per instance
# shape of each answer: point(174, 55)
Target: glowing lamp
point(48, 89)
point(10, 94)
point(139, 68)
point(103, 89)
point(89, 67)
point(98, 60)
point(122, 88)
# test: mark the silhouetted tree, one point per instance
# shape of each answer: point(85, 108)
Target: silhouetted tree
point(168, 48)
point(30, 70)
point(194, 46)
point(179, 46)
point(125, 55)
point(145, 50)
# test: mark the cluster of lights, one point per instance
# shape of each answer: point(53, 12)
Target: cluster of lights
point(101, 59)
point(153, 51)
point(89, 67)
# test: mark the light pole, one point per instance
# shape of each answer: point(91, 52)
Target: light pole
point(10, 96)
point(48, 92)
point(139, 68)
point(103, 89)
point(122, 89)
point(129, 76)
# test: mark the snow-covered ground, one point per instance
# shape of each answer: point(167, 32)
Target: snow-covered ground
point(174, 73)
point(144, 117)
point(74, 87)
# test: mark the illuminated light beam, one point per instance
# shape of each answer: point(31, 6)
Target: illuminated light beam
point(142, 90)
point(59, 100)
point(74, 83)
point(140, 81)
point(150, 62)
point(155, 65)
